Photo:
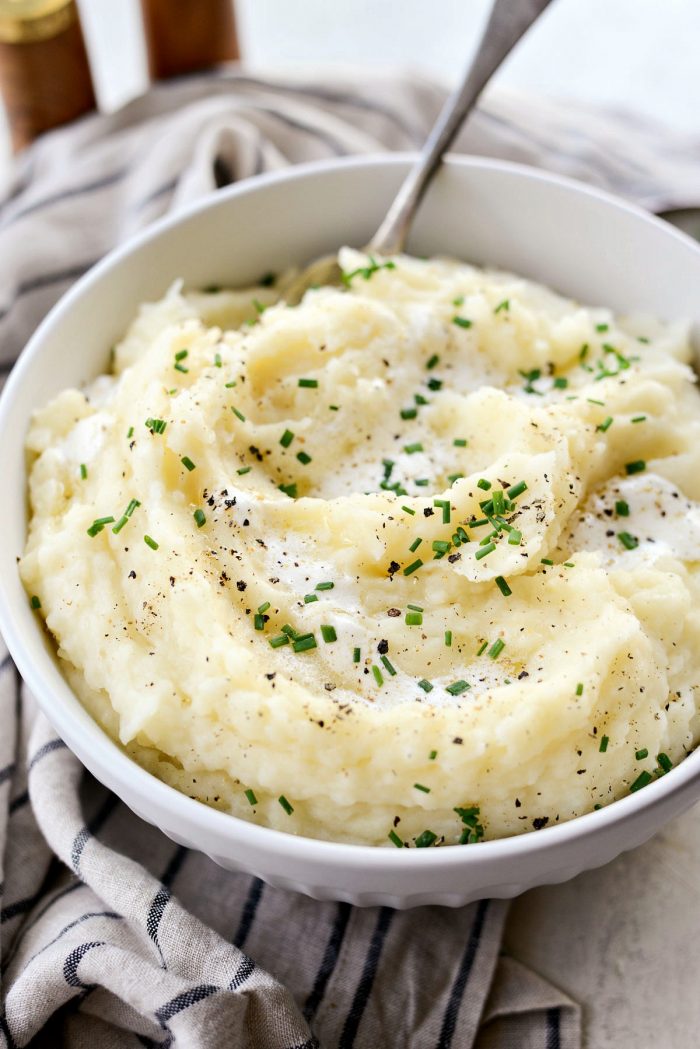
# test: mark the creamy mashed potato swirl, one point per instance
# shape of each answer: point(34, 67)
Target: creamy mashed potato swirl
point(414, 562)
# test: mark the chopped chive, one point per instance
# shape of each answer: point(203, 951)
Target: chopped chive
point(441, 545)
point(569, 564)
point(434, 360)
point(459, 301)
point(259, 621)
point(630, 542)
point(130, 433)
point(483, 648)
point(444, 504)
point(289, 489)
point(180, 368)
point(150, 542)
point(238, 414)
point(408, 510)
point(484, 551)
point(426, 839)
point(460, 442)
point(579, 688)
point(217, 360)
point(409, 413)
point(286, 438)
point(422, 482)
point(638, 418)
point(244, 470)
point(641, 754)
point(517, 489)
point(304, 643)
point(120, 524)
point(605, 425)
point(277, 642)
point(462, 322)
point(377, 674)
point(434, 384)
point(35, 602)
point(415, 544)
point(636, 467)
point(591, 400)
point(304, 458)
point(426, 685)
point(187, 463)
point(391, 669)
point(333, 408)
point(230, 385)
point(413, 567)
point(503, 586)
point(156, 425)
point(546, 561)
point(604, 744)
point(200, 517)
point(642, 780)
point(448, 638)
point(602, 327)
point(263, 607)
point(83, 471)
point(432, 755)
point(411, 449)
point(328, 634)
point(250, 795)
point(308, 384)
point(665, 762)
point(499, 505)
point(181, 354)
point(414, 619)
point(622, 508)
point(496, 648)
point(324, 586)
point(416, 608)
point(308, 598)
point(483, 484)
point(561, 383)
point(419, 786)
point(420, 399)
point(515, 537)
point(395, 839)
point(505, 305)
point(285, 805)
point(356, 655)
point(457, 687)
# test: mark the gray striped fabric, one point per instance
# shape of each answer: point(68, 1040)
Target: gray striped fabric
point(109, 934)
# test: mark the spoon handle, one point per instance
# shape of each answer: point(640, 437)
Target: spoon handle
point(509, 21)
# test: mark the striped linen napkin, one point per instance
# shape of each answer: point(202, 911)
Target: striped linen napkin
point(110, 935)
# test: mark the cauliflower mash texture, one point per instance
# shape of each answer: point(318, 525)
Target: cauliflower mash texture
point(413, 562)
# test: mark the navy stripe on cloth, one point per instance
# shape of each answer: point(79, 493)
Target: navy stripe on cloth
point(19, 802)
point(245, 971)
point(369, 972)
point(70, 966)
point(154, 916)
point(249, 909)
point(67, 194)
point(47, 280)
point(90, 829)
point(48, 748)
point(183, 1001)
point(553, 1029)
point(329, 960)
point(71, 925)
point(454, 1003)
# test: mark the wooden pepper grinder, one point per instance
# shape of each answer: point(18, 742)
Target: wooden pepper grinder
point(44, 72)
point(185, 35)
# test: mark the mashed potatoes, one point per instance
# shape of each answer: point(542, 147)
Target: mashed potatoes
point(412, 562)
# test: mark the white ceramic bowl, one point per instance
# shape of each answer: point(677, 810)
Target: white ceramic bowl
point(582, 242)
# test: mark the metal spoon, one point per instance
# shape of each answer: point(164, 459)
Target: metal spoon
point(509, 21)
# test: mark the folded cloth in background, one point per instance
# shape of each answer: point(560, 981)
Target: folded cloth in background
point(109, 934)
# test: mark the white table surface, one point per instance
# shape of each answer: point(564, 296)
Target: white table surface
point(621, 940)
